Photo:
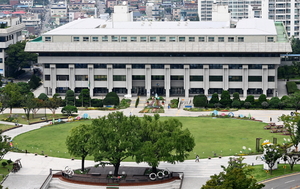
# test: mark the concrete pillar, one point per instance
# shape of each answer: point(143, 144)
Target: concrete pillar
point(167, 80)
point(91, 82)
point(128, 79)
point(225, 77)
point(265, 75)
point(148, 79)
point(53, 80)
point(205, 79)
point(186, 79)
point(109, 77)
point(245, 80)
point(275, 92)
point(72, 82)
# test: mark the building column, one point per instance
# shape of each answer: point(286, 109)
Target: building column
point(148, 79)
point(225, 77)
point(109, 77)
point(205, 79)
point(265, 75)
point(91, 82)
point(72, 81)
point(167, 80)
point(245, 80)
point(186, 79)
point(53, 80)
point(275, 92)
point(128, 79)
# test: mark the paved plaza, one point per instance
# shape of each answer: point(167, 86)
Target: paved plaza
point(36, 168)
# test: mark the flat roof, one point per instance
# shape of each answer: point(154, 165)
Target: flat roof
point(95, 26)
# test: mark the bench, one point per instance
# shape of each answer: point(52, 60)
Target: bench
point(130, 180)
point(96, 174)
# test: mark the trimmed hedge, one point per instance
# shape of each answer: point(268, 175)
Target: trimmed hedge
point(291, 87)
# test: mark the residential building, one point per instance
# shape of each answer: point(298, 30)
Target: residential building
point(163, 58)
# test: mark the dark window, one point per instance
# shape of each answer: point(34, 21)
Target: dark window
point(81, 78)
point(62, 77)
point(138, 77)
point(216, 78)
point(271, 66)
point(118, 66)
point(2, 39)
point(62, 65)
point(157, 66)
point(138, 66)
point(176, 77)
point(81, 65)
point(196, 78)
point(235, 78)
point(99, 65)
point(157, 77)
point(47, 77)
point(1, 60)
point(176, 66)
point(271, 78)
point(235, 66)
point(100, 77)
point(254, 66)
point(119, 78)
point(254, 78)
point(196, 66)
point(47, 65)
point(216, 66)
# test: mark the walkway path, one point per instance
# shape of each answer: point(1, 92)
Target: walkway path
point(36, 168)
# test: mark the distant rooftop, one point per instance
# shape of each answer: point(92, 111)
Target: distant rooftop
point(92, 26)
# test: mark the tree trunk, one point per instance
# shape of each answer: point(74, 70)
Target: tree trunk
point(10, 110)
point(117, 166)
point(82, 163)
point(154, 169)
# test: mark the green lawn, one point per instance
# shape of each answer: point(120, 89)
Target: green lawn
point(4, 127)
point(221, 136)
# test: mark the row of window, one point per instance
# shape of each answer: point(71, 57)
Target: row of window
point(157, 39)
point(160, 77)
point(162, 66)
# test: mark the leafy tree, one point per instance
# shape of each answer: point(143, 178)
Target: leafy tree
point(70, 97)
point(12, 93)
point(77, 142)
point(236, 104)
point(225, 99)
point(24, 88)
point(291, 124)
point(85, 98)
point(292, 157)
point(272, 153)
point(236, 96)
point(200, 101)
point(34, 82)
point(18, 58)
point(236, 175)
point(114, 138)
point(274, 102)
point(214, 98)
point(295, 45)
point(4, 144)
point(28, 104)
point(43, 97)
point(39, 104)
point(111, 99)
point(69, 110)
point(294, 99)
point(53, 103)
point(163, 141)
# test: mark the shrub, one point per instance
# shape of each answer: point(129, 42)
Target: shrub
point(9, 162)
point(137, 102)
point(250, 99)
point(262, 98)
point(97, 102)
point(214, 98)
point(69, 110)
point(4, 164)
point(236, 96)
point(200, 101)
point(291, 87)
point(274, 102)
point(225, 99)
point(111, 99)
point(247, 104)
point(236, 104)
point(265, 104)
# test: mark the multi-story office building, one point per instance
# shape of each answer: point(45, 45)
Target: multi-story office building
point(167, 58)
point(10, 33)
point(286, 11)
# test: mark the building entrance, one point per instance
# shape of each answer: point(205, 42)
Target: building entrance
point(160, 91)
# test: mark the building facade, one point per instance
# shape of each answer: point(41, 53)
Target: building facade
point(164, 58)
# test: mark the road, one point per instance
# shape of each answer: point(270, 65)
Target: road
point(290, 181)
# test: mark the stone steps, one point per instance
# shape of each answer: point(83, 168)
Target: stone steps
point(56, 183)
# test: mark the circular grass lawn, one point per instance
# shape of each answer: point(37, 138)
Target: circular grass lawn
point(213, 136)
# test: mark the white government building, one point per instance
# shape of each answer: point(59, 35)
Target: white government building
point(167, 58)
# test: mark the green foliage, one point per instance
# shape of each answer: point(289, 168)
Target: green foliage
point(250, 99)
point(9, 161)
point(236, 175)
point(34, 82)
point(274, 102)
point(236, 96)
point(174, 103)
point(125, 103)
point(85, 98)
point(272, 153)
point(236, 104)
point(137, 102)
point(97, 102)
point(24, 87)
point(225, 99)
point(295, 46)
point(12, 95)
point(28, 104)
point(247, 105)
point(265, 105)
point(78, 142)
point(4, 145)
point(43, 97)
point(4, 164)
point(18, 58)
point(262, 98)
point(294, 99)
point(69, 110)
point(111, 99)
point(70, 97)
point(53, 103)
point(214, 99)
point(200, 101)
point(291, 87)
point(291, 125)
